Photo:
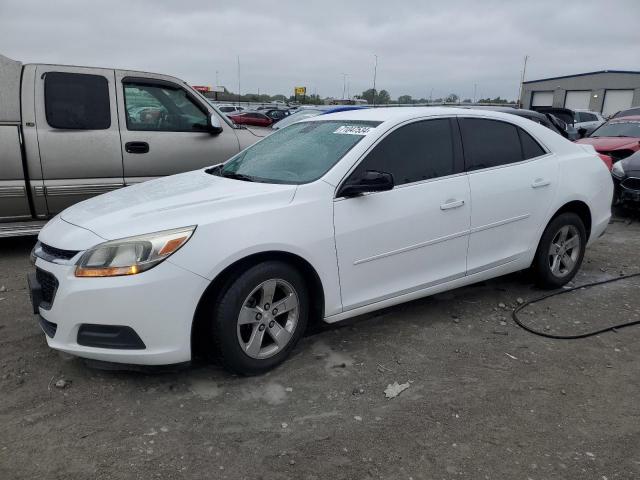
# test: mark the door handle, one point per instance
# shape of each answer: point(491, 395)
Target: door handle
point(136, 147)
point(540, 182)
point(452, 204)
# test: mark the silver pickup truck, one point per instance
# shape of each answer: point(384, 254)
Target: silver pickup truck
point(68, 133)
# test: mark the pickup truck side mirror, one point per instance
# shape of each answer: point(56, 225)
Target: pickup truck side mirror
point(213, 124)
point(369, 181)
point(582, 132)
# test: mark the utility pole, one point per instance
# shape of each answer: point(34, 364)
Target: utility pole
point(475, 89)
point(238, 79)
point(344, 84)
point(375, 71)
point(524, 70)
point(217, 80)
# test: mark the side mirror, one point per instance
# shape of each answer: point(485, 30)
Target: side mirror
point(213, 124)
point(369, 181)
point(582, 132)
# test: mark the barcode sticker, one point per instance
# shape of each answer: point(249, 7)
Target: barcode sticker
point(353, 130)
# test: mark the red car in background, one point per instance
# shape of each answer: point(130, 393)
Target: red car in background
point(255, 119)
point(618, 138)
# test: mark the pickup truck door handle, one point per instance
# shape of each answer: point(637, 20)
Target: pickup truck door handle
point(136, 147)
point(452, 204)
point(540, 182)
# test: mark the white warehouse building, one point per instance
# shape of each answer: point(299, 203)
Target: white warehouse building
point(606, 91)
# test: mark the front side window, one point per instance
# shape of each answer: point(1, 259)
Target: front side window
point(300, 153)
point(489, 143)
point(162, 108)
point(414, 152)
point(77, 101)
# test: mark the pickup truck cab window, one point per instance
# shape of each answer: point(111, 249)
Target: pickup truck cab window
point(162, 108)
point(76, 101)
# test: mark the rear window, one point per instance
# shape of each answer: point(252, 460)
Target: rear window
point(77, 101)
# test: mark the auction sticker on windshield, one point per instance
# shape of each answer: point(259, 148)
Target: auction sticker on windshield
point(353, 130)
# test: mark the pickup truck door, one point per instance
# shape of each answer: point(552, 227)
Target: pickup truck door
point(78, 134)
point(162, 128)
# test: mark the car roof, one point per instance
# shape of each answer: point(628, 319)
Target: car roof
point(401, 114)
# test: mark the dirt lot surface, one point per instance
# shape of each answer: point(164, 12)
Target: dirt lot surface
point(486, 400)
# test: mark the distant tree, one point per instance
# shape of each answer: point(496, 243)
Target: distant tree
point(383, 97)
point(405, 99)
point(379, 98)
point(493, 100)
point(466, 100)
point(452, 98)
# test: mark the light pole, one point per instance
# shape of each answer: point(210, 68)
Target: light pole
point(375, 71)
point(238, 79)
point(344, 84)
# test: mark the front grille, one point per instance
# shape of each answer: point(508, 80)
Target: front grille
point(58, 253)
point(48, 327)
point(631, 183)
point(49, 285)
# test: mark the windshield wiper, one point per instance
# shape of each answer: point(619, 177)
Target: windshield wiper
point(237, 176)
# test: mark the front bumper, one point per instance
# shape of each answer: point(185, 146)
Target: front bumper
point(158, 306)
point(623, 194)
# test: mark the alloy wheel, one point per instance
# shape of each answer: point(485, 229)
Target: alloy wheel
point(268, 318)
point(564, 251)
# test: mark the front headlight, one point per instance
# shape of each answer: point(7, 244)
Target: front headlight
point(617, 170)
point(128, 256)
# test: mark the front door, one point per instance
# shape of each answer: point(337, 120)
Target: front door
point(163, 129)
point(78, 134)
point(415, 235)
point(512, 180)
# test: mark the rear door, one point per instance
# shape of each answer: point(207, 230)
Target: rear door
point(78, 134)
point(163, 128)
point(512, 180)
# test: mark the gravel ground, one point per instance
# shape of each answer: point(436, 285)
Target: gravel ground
point(486, 400)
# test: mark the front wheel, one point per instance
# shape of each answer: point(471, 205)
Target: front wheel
point(259, 318)
point(560, 251)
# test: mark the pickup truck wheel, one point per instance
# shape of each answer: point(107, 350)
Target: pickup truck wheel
point(560, 251)
point(260, 317)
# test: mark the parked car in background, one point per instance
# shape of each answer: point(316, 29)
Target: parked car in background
point(617, 138)
point(588, 120)
point(276, 114)
point(68, 133)
point(230, 109)
point(626, 180)
point(627, 113)
point(333, 217)
point(309, 112)
point(256, 119)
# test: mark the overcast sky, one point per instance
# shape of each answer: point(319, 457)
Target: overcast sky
point(422, 47)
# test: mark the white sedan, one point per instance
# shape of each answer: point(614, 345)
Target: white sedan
point(326, 219)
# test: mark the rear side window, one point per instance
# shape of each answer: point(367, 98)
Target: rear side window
point(489, 143)
point(530, 148)
point(77, 101)
point(418, 151)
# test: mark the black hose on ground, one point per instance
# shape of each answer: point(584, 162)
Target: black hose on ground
point(612, 328)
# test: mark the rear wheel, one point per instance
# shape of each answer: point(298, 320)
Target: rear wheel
point(560, 251)
point(259, 318)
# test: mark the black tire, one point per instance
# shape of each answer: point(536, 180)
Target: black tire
point(542, 264)
point(227, 307)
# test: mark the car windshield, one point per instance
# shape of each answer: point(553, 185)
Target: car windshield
point(618, 129)
point(296, 117)
point(300, 153)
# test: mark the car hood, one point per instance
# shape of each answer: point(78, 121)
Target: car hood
point(605, 144)
point(186, 199)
